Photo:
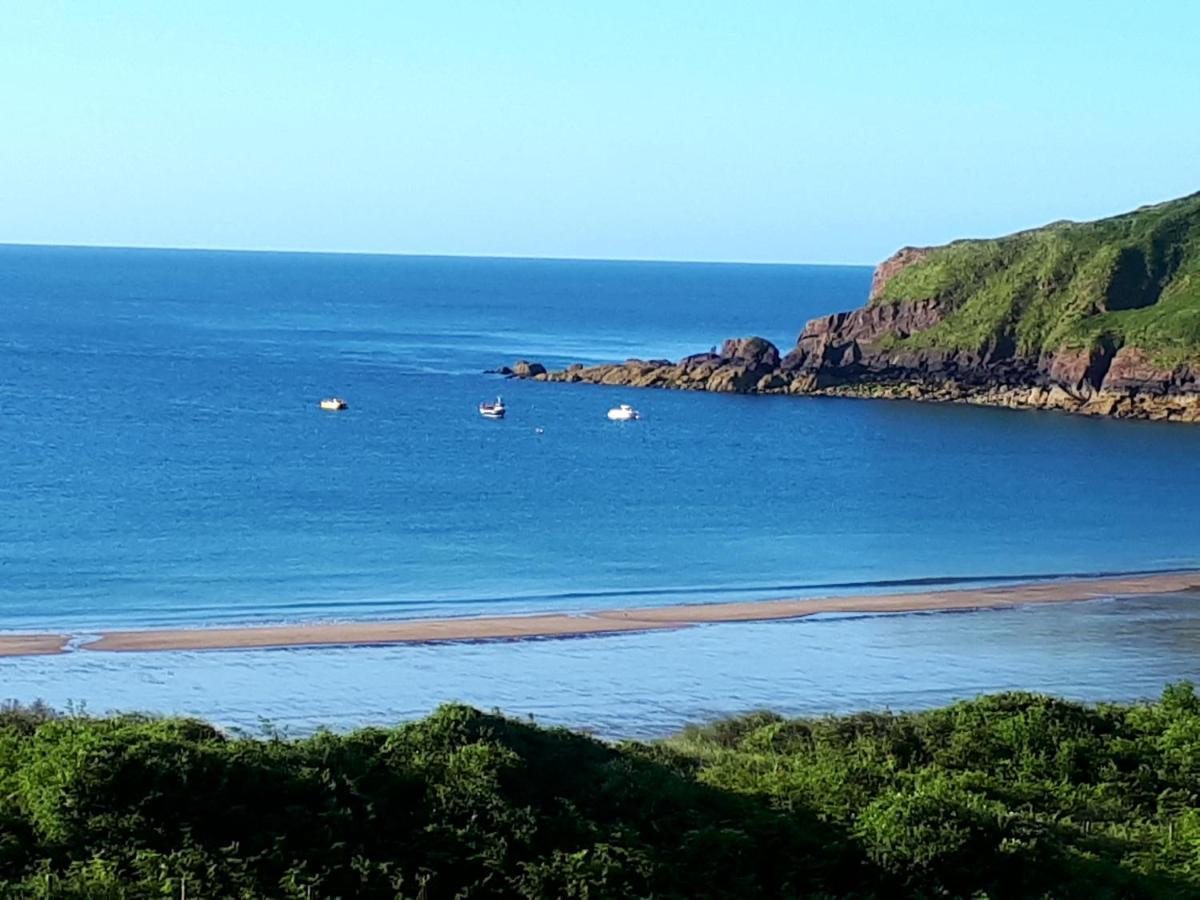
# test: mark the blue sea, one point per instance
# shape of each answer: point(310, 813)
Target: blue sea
point(165, 463)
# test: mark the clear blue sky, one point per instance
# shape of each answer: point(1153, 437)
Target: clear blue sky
point(791, 131)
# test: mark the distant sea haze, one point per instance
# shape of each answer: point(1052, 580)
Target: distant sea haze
point(167, 463)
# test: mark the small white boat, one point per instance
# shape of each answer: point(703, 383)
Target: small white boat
point(624, 413)
point(333, 403)
point(492, 410)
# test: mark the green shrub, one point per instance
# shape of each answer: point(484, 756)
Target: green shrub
point(1009, 795)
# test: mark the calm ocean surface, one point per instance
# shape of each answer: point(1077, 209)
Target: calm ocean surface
point(165, 462)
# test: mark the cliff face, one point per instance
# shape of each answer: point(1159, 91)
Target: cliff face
point(1100, 318)
point(1100, 311)
point(894, 265)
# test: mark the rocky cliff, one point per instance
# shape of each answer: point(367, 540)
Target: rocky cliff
point(1100, 318)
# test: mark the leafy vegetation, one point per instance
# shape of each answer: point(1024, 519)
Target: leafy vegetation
point(1012, 795)
point(1130, 280)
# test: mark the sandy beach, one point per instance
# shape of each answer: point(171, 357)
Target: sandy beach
point(560, 625)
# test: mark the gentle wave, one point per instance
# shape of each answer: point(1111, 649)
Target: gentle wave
point(289, 612)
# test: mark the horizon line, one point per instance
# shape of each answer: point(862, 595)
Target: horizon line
point(431, 255)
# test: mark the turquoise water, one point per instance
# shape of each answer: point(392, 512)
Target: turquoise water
point(165, 461)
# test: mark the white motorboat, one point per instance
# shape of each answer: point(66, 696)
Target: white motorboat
point(333, 404)
point(492, 410)
point(624, 413)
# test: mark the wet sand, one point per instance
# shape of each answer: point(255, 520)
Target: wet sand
point(600, 622)
point(32, 644)
point(561, 625)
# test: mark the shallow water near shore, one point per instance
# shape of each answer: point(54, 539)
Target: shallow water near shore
point(650, 685)
point(166, 465)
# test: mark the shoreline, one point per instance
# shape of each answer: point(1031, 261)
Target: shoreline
point(841, 356)
point(599, 622)
point(664, 375)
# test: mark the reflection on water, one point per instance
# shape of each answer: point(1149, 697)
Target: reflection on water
point(648, 685)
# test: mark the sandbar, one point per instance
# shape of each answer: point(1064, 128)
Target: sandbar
point(32, 644)
point(617, 621)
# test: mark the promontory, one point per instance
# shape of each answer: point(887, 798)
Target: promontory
point(1099, 317)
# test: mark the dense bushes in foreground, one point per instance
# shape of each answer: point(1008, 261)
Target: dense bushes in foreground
point(1010, 795)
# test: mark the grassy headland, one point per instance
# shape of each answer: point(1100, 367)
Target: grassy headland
point(1101, 318)
point(1004, 796)
point(1130, 280)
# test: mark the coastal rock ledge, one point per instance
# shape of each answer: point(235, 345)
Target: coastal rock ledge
point(1099, 318)
point(865, 374)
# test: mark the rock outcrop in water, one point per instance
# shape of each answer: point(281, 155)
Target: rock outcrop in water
point(1100, 318)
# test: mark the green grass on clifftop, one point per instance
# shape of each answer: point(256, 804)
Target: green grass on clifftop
point(1133, 279)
